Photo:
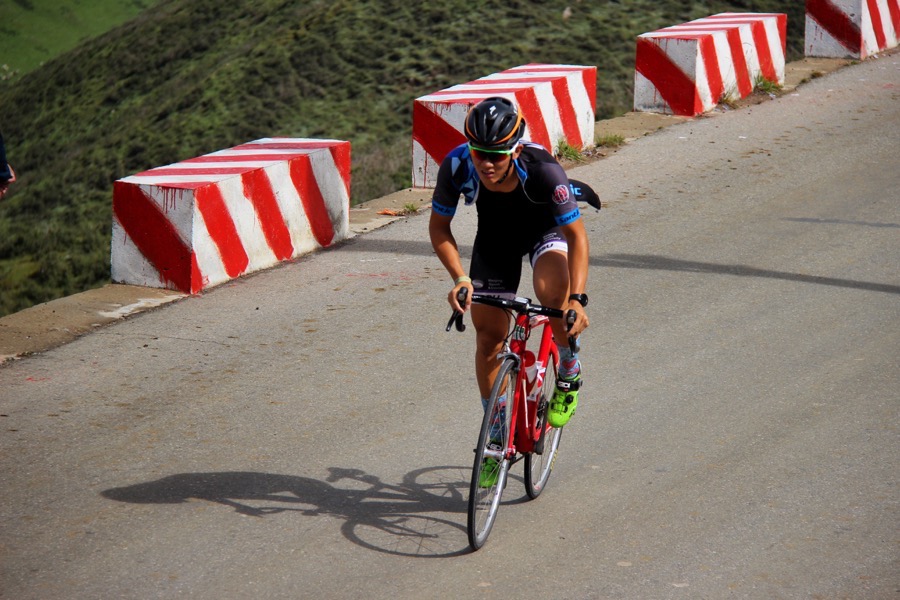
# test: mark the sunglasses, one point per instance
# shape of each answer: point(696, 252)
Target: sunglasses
point(493, 156)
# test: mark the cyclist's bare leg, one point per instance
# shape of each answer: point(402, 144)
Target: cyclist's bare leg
point(491, 325)
point(551, 285)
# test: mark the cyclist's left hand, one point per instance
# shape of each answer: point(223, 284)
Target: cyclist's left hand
point(581, 319)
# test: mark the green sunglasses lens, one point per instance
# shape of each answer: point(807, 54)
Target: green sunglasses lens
point(491, 155)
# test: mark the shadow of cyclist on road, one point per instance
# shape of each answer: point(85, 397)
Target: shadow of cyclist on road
point(392, 518)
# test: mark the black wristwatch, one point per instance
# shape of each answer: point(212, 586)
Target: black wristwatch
point(582, 299)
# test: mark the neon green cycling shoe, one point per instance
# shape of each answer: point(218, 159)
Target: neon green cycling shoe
point(490, 473)
point(564, 401)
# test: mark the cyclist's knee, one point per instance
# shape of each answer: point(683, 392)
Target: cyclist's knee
point(488, 343)
point(489, 322)
point(555, 296)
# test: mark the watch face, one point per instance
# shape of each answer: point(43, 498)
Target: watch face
point(580, 298)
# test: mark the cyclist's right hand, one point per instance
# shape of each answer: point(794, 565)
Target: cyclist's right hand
point(571, 321)
point(460, 297)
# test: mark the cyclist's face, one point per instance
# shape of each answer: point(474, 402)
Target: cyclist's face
point(493, 167)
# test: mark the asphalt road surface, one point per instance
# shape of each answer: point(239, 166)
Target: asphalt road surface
point(308, 431)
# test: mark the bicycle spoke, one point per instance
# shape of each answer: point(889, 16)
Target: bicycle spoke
point(489, 471)
point(539, 463)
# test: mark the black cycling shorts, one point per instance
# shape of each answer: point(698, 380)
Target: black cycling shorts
point(497, 266)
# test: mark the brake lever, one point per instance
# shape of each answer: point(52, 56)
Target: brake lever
point(571, 317)
point(457, 317)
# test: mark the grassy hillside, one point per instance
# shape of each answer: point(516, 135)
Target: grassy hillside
point(193, 76)
point(34, 31)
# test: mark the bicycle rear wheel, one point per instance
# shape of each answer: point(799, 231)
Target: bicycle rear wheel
point(491, 465)
point(539, 463)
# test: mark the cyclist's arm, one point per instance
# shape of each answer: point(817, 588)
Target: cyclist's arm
point(445, 247)
point(579, 256)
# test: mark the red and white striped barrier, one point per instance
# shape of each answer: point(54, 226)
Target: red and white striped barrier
point(688, 69)
point(557, 102)
point(851, 28)
point(203, 221)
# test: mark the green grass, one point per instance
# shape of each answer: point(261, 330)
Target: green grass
point(194, 76)
point(565, 151)
point(612, 140)
point(34, 31)
point(766, 86)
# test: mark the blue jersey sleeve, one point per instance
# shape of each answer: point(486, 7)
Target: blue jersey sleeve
point(456, 177)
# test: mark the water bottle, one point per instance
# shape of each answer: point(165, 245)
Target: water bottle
point(530, 369)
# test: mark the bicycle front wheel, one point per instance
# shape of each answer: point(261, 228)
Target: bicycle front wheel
point(539, 463)
point(491, 463)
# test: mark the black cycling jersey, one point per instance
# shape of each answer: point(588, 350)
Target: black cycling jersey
point(510, 224)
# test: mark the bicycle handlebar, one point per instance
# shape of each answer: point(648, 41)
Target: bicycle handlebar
point(519, 305)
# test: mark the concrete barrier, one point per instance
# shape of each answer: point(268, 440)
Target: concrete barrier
point(557, 101)
point(206, 220)
point(851, 28)
point(688, 69)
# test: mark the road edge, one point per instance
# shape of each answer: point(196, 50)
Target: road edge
point(52, 324)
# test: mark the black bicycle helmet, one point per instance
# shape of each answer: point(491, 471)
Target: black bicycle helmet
point(494, 124)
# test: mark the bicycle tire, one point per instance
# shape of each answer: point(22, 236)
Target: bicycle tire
point(539, 464)
point(484, 500)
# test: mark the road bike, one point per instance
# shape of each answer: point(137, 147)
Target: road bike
point(515, 419)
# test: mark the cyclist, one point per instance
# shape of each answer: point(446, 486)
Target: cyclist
point(525, 205)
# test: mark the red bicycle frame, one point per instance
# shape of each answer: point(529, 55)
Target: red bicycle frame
point(528, 434)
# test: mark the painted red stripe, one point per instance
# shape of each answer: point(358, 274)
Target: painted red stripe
point(676, 88)
point(496, 80)
point(730, 22)
point(155, 236)
point(174, 170)
point(258, 190)
point(687, 35)
point(711, 62)
point(750, 18)
point(287, 145)
point(567, 115)
point(340, 153)
point(698, 27)
point(534, 120)
point(313, 203)
point(463, 99)
point(894, 9)
point(589, 77)
point(877, 25)
point(176, 185)
point(197, 279)
point(217, 158)
point(740, 16)
point(435, 135)
point(545, 68)
point(835, 22)
point(480, 92)
point(439, 138)
point(221, 229)
point(741, 72)
point(764, 51)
